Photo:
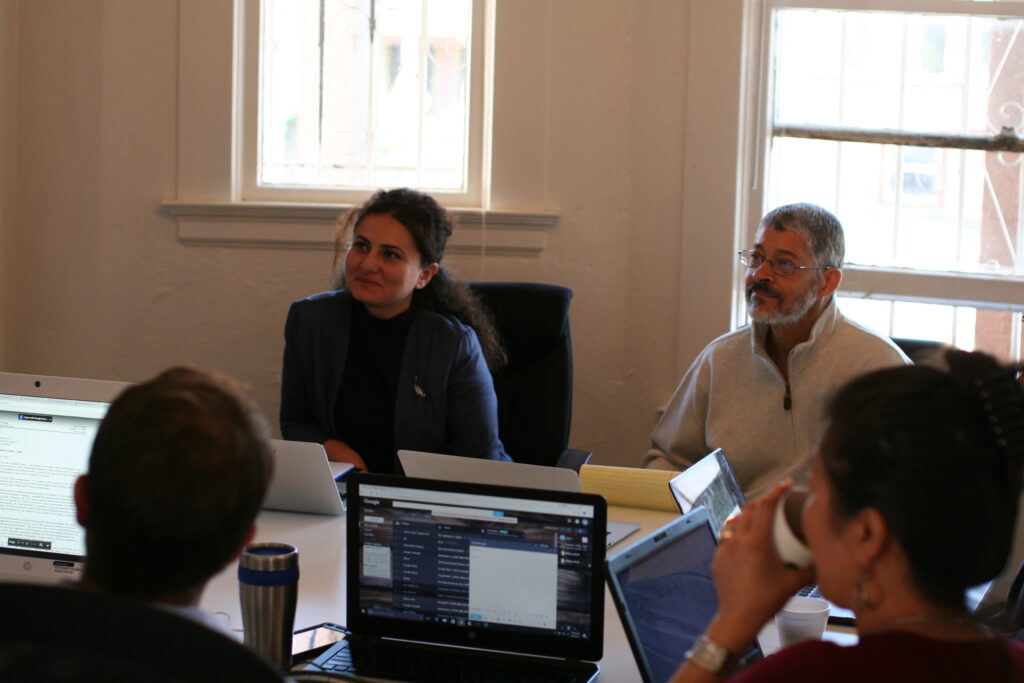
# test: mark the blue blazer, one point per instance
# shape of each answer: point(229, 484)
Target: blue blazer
point(445, 401)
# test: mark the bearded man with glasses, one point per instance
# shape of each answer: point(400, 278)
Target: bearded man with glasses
point(757, 392)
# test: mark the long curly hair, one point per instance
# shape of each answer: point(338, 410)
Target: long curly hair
point(430, 225)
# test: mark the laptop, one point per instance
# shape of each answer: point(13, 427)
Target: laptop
point(664, 593)
point(47, 426)
point(450, 578)
point(711, 482)
point(304, 480)
point(483, 471)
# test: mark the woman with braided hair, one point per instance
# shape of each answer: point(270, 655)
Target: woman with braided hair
point(397, 356)
point(913, 499)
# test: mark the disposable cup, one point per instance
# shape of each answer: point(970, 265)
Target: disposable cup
point(788, 530)
point(801, 619)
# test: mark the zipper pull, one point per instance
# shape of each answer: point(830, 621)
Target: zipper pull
point(787, 402)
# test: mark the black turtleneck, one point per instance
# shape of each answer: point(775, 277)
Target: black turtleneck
point(365, 412)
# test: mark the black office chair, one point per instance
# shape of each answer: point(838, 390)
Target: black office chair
point(535, 388)
point(919, 349)
point(65, 635)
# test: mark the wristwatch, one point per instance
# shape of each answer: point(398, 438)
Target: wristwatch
point(712, 657)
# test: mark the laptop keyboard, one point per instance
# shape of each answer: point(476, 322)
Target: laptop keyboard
point(418, 663)
point(809, 592)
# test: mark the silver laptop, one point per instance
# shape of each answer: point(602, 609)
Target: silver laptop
point(47, 426)
point(304, 480)
point(482, 471)
point(711, 482)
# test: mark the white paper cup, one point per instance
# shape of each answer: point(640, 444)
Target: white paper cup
point(801, 619)
point(787, 530)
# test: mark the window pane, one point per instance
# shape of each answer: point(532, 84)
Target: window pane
point(384, 102)
point(925, 73)
point(937, 209)
point(872, 313)
point(910, 207)
point(923, 321)
point(808, 63)
point(996, 332)
point(803, 171)
point(289, 87)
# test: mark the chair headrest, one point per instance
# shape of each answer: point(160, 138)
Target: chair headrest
point(531, 317)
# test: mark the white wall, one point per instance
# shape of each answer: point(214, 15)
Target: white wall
point(99, 285)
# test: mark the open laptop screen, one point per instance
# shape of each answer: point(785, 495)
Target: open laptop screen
point(664, 592)
point(473, 564)
point(712, 483)
point(46, 435)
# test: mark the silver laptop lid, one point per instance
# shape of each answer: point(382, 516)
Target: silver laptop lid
point(482, 471)
point(303, 480)
point(47, 426)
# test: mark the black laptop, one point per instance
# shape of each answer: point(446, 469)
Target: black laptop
point(460, 581)
point(665, 595)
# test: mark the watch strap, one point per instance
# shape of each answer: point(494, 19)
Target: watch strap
point(713, 657)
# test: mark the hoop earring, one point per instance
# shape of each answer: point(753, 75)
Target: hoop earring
point(866, 592)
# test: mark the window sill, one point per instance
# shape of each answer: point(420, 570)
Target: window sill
point(281, 225)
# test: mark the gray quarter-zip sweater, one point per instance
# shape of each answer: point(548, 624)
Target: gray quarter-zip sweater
point(734, 398)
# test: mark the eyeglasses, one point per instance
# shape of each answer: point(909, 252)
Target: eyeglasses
point(754, 259)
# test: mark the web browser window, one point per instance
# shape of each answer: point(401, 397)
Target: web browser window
point(44, 447)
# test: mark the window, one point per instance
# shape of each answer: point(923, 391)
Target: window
point(965, 327)
point(218, 200)
point(903, 118)
point(354, 95)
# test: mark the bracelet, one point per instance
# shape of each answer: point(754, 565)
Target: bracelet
point(712, 657)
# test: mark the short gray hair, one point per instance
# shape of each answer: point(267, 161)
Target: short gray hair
point(820, 227)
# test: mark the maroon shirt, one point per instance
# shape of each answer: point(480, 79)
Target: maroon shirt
point(897, 656)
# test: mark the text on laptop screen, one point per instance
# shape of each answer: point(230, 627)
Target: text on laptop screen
point(468, 559)
point(44, 446)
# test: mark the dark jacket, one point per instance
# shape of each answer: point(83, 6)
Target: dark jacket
point(445, 401)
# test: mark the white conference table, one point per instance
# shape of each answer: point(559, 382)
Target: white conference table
point(321, 543)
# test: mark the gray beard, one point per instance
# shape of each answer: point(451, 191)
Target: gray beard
point(800, 308)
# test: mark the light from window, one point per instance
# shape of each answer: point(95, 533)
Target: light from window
point(996, 332)
point(878, 115)
point(927, 208)
point(361, 94)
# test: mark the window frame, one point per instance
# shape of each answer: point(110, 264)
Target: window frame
point(513, 219)
point(479, 71)
point(868, 282)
